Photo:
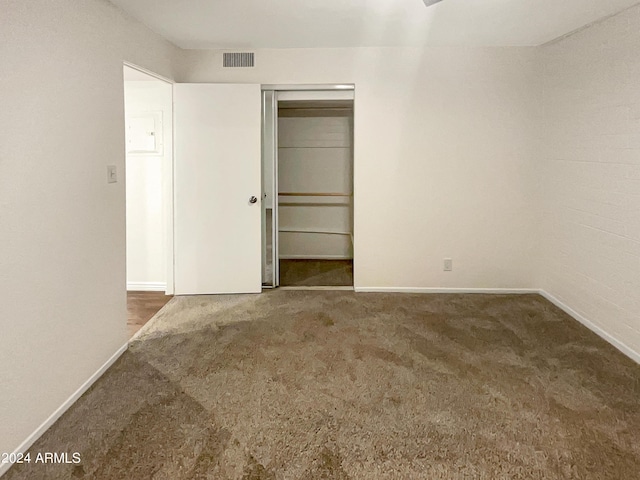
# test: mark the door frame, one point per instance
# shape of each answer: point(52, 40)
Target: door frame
point(270, 131)
point(269, 150)
point(168, 188)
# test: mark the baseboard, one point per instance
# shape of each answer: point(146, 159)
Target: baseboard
point(315, 257)
point(24, 446)
point(620, 345)
point(494, 291)
point(146, 287)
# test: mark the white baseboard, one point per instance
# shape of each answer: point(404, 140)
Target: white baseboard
point(494, 291)
point(620, 345)
point(146, 287)
point(315, 257)
point(24, 446)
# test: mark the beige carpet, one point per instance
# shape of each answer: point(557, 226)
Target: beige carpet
point(338, 385)
point(316, 273)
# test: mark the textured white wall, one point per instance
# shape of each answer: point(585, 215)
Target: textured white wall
point(148, 190)
point(443, 150)
point(590, 182)
point(62, 255)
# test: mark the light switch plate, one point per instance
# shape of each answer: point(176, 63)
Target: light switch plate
point(112, 174)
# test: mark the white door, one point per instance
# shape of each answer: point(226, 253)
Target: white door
point(217, 177)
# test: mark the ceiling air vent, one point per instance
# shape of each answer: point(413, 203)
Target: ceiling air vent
point(237, 59)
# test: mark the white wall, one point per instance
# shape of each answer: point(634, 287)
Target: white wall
point(590, 182)
point(443, 151)
point(315, 155)
point(148, 179)
point(62, 240)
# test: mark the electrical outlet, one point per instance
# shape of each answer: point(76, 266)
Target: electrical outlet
point(112, 174)
point(448, 265)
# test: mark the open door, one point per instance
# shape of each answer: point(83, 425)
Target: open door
point(217, 188)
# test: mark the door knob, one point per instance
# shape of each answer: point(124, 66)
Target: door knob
point(253, 199)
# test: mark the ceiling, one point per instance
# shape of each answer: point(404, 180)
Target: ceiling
point(243, 24)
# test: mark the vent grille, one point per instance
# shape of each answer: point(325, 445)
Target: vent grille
point(237, 60)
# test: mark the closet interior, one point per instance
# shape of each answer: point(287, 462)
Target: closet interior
point(313, 213)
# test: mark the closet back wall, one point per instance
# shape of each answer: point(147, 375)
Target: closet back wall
point(315, 156)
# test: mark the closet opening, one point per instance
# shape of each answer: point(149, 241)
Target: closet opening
point(308, 222)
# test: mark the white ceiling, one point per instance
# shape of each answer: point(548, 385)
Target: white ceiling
point(241, 24)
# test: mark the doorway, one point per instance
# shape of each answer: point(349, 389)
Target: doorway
point(308, 188)
point(148, 186)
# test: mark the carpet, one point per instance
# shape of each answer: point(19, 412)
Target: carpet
point(316, 273)
point(339, 385)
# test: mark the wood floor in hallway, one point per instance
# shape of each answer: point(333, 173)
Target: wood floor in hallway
point(142, 306)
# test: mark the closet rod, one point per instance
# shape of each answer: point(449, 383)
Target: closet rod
point(313, 204)
point(325, 232)
point(306, 194)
